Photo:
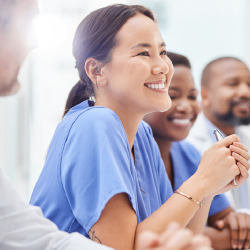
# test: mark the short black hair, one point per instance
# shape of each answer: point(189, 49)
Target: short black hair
point(178, 59)
point(206, 75)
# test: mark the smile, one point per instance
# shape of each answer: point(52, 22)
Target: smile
point(181, 121)
point(156, 86)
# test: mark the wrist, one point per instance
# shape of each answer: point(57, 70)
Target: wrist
point(195, 188)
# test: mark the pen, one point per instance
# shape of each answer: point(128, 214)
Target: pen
point(219, 136)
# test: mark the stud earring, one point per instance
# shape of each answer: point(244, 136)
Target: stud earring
point(101, 83)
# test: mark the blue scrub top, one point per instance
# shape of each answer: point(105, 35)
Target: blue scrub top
point(89, 161)
point(185, 160)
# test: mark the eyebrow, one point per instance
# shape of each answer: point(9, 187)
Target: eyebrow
point(147, 45)
point(233, 79)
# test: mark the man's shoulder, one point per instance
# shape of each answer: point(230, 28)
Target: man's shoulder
point(199, 130)
point(244, 134)
point(199, 135)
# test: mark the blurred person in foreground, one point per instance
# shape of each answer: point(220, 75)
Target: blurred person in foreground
point(181, 159)
point(225, 92)
point(23, 226)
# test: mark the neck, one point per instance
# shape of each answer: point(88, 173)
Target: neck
point(225, 128)
point(129, 117)
point(164, 146)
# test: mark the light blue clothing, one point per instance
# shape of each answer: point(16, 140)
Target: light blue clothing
point(185, 161)
point(89, 161)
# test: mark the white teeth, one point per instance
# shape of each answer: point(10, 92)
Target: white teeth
point(181, 121)
point(156, 86)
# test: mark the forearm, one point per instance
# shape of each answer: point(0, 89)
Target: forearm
point(198, 222)
point(220, 238)
point(176, 208)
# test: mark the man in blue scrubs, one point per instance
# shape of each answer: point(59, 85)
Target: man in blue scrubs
point(23, 226)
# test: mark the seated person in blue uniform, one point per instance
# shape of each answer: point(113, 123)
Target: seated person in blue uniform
point(103, 174)
point(181, 159)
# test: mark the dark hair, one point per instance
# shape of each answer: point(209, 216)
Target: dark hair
point(96, 37)
point(206, 75)
point(178, 59)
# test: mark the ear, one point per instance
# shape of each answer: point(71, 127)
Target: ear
point(94, 72)
point(206, 97)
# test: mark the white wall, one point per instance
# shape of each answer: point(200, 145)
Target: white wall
point(201, 30)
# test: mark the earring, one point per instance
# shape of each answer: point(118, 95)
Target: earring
point(101, 83)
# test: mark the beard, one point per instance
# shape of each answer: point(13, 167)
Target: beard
point(230, 119)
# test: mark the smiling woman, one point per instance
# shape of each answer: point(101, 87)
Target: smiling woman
point(103, 175)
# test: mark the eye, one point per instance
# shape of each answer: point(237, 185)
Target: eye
point(233, 84)
point(172, 97)
point(144, 53)
point(164, 53)
point(192, 97)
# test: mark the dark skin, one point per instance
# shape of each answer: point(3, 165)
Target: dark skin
point(229, 81)
point(174, 125)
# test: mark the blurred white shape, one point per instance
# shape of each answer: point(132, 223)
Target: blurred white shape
point(50, 31)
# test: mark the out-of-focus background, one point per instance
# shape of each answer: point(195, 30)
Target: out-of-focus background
point(201, 30)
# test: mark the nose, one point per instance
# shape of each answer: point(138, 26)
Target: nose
point(184, 106)
point(161, 66)
point(244, 90)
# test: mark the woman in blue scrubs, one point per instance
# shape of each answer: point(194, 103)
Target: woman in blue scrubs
point(103, 175)
point(181, 159)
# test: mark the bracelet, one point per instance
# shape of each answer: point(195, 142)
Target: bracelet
point(190, 198)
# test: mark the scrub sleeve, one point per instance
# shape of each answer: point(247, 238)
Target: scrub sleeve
point(96, 165)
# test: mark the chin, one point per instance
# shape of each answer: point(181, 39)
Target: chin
point(9, 89)
point(165, 106)
point(178, 135)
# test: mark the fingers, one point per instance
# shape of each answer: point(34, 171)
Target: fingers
point(148, 240)
point(227, 141)
point(233, 225)
point(240, 155)
point(172, 228)
point(180, 240)
point(173, 239)
point(243, 174)
point(247, 241)
point(242, 229)
point(200, 242)
point(242, 160)
point(239, 224)
point(219, 224)
point(240, 145)
point(240, 151)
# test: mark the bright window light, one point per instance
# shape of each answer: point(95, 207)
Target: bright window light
point(50, 31)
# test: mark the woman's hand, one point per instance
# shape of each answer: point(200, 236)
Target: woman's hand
point(173, 239)
point(218, 166)
point(239, 225)
point(241, 155)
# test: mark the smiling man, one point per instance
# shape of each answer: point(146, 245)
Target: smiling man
point(225, 91)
